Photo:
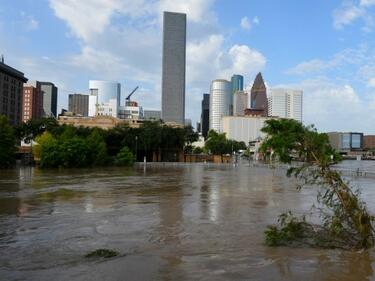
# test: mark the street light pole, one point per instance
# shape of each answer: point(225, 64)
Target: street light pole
point(136, 148)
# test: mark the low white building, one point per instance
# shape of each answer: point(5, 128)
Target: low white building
point(244, 128)
point(131, 110)
point(108, 109)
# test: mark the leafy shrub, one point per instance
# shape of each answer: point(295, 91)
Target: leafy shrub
point(125, 157)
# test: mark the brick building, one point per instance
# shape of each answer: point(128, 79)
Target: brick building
point(32, 103)
point(11, 88)
point(369, 142)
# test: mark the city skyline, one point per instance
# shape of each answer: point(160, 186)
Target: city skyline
point(328, 60)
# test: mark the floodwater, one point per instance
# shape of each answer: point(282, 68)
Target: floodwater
point(169, 222)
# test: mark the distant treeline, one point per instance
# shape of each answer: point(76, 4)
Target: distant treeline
point(69, 146)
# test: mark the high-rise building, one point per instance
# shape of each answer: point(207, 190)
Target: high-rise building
point(285, 103)
point(152, 115)
point(32, 102)
point(259, 95)
point(11, 88)
point(237, 83)
point(49, 91)
point(240, 103)
point(104, 98)
point(220, 103)
point(79, 104)
point(173, 68)
point(205, 115)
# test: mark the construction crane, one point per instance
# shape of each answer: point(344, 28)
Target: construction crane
point(132, 92)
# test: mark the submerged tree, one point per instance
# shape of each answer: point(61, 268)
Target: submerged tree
point(7, 143)
point(346, 220)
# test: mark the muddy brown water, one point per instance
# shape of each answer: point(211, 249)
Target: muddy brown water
point(169, 222)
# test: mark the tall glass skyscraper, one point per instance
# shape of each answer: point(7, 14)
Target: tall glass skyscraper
point(173, 68)
point(237, 83)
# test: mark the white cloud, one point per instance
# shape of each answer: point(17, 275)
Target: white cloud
point(367, 3)
point(335, 106)
point(349, 12)
point(209, 59)
point(371, 82)
point(346, 15)
point(197, 10)
point(314, 65)
point(89, 18)
point(356, 56)
point(85, 18)
point(245, 60)
point(245, 23)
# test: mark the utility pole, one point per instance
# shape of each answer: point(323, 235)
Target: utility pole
point(136, 148)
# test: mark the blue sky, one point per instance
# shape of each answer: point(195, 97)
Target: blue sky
point(326, 48)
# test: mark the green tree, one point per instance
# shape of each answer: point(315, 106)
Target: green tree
point(197, 150)
point(234, 146)
point(150, 136)
point(7, 143)
point(74, 152)
point(47, 151)
point(346, 221)
point(216, 143)
point(125, 157)
point(190, 135)
point(97, 148)
point(34, 127)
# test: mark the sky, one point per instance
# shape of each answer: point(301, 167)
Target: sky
point(324, 47)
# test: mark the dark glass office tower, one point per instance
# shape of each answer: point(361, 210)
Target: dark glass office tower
point(173, 72)
point(205, 116)
point(49, 91)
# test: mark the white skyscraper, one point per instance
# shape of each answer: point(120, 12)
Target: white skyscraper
point(285, 103)
point(220, 103)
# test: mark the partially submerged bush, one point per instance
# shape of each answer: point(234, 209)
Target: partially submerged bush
point(102, 253)
point(346, 221)
point(291, 229)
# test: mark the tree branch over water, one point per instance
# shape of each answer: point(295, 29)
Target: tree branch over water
point(346, 222)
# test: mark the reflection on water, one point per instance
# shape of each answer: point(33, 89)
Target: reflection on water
point(171, 222)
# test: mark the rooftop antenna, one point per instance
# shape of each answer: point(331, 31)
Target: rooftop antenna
point(2, 58)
